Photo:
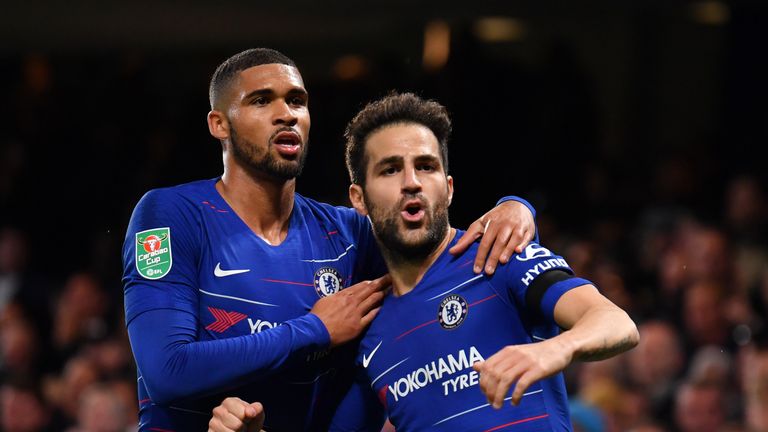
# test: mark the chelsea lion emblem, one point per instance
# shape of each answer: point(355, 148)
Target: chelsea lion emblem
point(327, 281)
point(453, 310)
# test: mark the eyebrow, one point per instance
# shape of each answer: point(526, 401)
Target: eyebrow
point(388, 161)
point(269, 92)
point(399, 160)
point(427, 158)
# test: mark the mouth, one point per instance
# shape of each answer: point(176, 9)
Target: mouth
point(287, 143)
point(413, 211)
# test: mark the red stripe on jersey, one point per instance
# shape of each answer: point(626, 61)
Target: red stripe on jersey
point(288, 282)
point(416, 328)
point(482, 300)
point(517, 422)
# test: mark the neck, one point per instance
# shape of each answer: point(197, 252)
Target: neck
point(263, 202)
point(407, 273)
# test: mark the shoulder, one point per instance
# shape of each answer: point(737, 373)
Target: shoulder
point(534, 253)
point(335, 214)
point(176, 207)
point(532, 262)
point(179, 196)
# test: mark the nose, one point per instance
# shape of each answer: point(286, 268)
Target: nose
point(283, 114)
point(411, 182)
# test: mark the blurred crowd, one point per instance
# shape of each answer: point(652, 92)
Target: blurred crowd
point(699, 294)
point(65, 361)
point(698, 291)
point(693, 277)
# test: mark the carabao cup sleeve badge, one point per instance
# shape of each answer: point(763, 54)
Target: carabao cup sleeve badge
point(153, 252)
point(327, 281)
point(452, 312)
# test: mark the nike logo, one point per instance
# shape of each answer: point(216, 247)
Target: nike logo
point(218, 272)
point(367, 359)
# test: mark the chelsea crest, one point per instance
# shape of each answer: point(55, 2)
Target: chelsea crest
point(327, 281)
point(453, 310)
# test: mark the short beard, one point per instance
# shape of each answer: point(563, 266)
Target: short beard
point(248, 155)
point(394, 246)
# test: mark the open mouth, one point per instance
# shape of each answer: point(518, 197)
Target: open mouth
point(413, 211)
point(287, 143)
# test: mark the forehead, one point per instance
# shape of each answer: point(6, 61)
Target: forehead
point(401, 140)
point(274, 76)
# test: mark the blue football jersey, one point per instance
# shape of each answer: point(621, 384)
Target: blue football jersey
point(213, 310)
point(418, 354)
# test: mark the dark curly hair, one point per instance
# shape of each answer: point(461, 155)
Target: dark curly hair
point(393, 109)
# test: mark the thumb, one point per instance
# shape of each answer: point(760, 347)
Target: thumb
point(255, 411)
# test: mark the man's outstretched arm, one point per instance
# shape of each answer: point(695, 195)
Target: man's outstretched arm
point(166, 348)
point(595, 329)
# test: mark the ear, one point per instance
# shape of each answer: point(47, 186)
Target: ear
point(218, 125)
point(450, 189)
point(356, 198)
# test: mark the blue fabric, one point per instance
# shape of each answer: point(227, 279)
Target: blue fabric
point(417, 356)
point(230, 317)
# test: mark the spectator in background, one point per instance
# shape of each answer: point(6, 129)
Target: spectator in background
point(703, 315)
point(603, 385)
point(707, 256)
point(754, 383)
point(655, 366)
point(80, 315)
point(101, 410)
point(13, 261)
point(64, 391)
point(746, 211)
point(19, 286)
point(648, 426)
point(699, 407)
point(19, 346)
point(23, 408)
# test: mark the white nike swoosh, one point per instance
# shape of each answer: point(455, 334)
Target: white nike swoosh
point(367, 359)
point(218, 272)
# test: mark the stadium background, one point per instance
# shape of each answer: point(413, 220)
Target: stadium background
point(633, 127)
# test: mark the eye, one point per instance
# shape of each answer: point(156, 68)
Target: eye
point(426, 167)
point(298, 101)
point(389, 170)
point(260, 100)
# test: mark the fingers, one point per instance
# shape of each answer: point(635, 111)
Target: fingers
point(231, 415)
point(489, 237)
point(473, 233)
point(383, 282)
point(500, 247)
point(238, 407)
point(258, 422)
point(368, 318)
point(510, 377)
point(520, 239)
point(370, 302)
point(504, 371)
point(496, 377)
point(520, 387)
point(365, 288)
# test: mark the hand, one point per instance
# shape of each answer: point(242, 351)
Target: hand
point(521, 365)
point(508, 227)
point(237, 415)
point(348, 312)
